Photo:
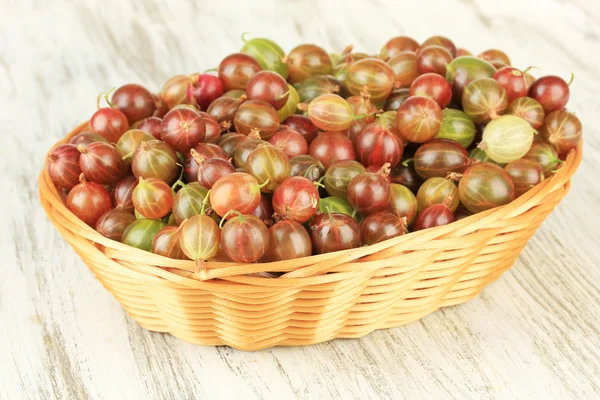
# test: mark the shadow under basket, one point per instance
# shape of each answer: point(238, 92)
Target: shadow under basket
point(345, 294)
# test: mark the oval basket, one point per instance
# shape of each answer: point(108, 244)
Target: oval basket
point(345, 294)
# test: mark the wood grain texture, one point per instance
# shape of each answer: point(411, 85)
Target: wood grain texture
point(532, 334)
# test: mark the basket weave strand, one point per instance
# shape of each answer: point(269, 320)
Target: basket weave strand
point(345, 294)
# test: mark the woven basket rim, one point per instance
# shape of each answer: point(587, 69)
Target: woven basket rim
point(297, 270)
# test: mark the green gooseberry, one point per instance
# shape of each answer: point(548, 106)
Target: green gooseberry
point(268, 54)
point(141, 232)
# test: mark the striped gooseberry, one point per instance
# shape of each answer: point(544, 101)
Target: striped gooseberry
point(525, 174)
point(484, 100)
point(418, 119)
point(403, 202)
point(439, 157)
point(529, 109)
point(438, 191)
point(484, 186)
point(307, 60)
point(562, 129)
point(381, 226)
point(244, 238)
point(330, 112)
point(507, 138)
point(256, 114)
point(288, 240)
point(166, 243)
point(329, 147)
point(113, 223)
point(375, 74)
point(458, 126)
point(152, 198)
point(334, 232)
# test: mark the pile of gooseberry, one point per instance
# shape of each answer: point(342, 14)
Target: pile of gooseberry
point(277, 156)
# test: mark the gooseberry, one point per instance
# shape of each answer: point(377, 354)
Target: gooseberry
point(135, 101)
point(270, 166)
point(552, 92)
point(238, 191)
point(123, 193)
point(236, 70)
point(204, 89)
point(200, 238)
point(513, 81)
point(433, 59)
point(189, 201)
point(268, 86)
point(88, 201)
point(268, 54)
point(381, 226)
point(369, 192)
point(307, 60)
point(109, 123)
point(438, 191)
point(418, 119)
point(303, 125)
point(375, 74)
point(398, 45)
point(484, 100)
point(113, 223)
point(529, 109)
point(456, 125)
point(524, 174)
point(496, 57)
point(334, 232)
point(507, 138)
point(377, 146)
point(288, 240)
point(440, 157)
point(101, 163)
point(403, 203)
point(405, 69)
point(63, 166)
point(245, 238)
point(183, 128)
point(141, 233)
point(256, 114)
point(155, 159)
point(484, 186)
point(435, 215)
point(296, 198)
point(562, 129)
point(166, 243)
point(291, 142)
point(152, 198)
point(331, 146)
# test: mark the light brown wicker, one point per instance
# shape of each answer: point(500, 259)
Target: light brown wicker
point(346, 294)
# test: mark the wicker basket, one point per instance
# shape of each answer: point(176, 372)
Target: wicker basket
point(346, 294)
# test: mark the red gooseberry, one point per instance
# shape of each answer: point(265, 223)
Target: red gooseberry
point(166, 243)
point(334, 232)
point(381, 226)
point(484, 186)
point(109, 123)
point(433, 59)
point(236, 70)
point(101, 163)
point(238, 191)
point(123, 193)
point(63, 166)
point(398, 45)
point(256, 114)
point(303, 125)
point(369, 192)
point(513, 81)
point(419, 119)
point(290, 141)
point(245, 238)
point(435, 215)
point(433, 86)
point(552, 92)
point(183, 128)
point(331, 146)
point(152, 198)
point(562, 129)
point(88, 201)
point(135, 101)
point(203, 89)
point(270, 87)
point(113, 223)
point(151, 125)
point(296, 198)
point(377, 145)
point(288, 240)
point(440, 157)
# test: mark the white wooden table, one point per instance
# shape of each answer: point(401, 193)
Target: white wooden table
point(533, 334)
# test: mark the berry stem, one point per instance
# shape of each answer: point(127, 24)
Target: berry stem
point(204, 202)
point(572, 78)
point(227, 214)
point(178, 183)
point(407, 161)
